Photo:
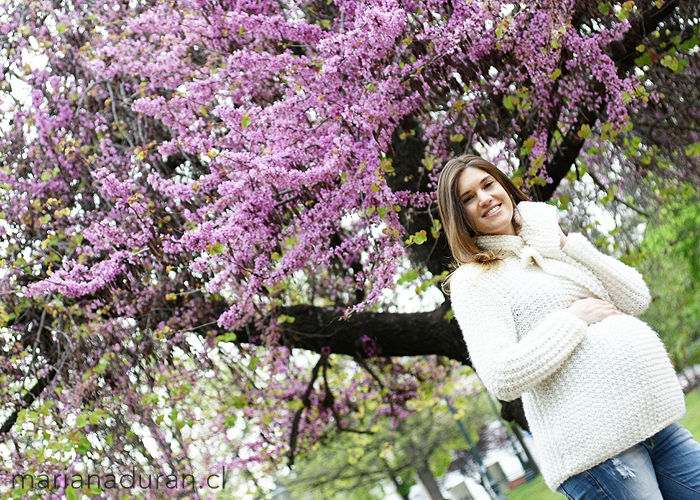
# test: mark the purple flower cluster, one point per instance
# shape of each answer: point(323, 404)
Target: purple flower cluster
point(182, 170)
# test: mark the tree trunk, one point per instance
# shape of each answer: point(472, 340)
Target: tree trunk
point(429, 483)
point(400, 488)
point(420, 463)
point(519, 436)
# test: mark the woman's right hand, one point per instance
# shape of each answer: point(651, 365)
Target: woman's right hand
point(592, 310)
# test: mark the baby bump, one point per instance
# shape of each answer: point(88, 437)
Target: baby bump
point(611, 365)
point(622, 331)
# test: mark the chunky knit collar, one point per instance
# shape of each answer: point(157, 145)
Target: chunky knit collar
point(539, 243)
point(501, 242)
point(539, 229)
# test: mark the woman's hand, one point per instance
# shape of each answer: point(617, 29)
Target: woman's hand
point(592, 310)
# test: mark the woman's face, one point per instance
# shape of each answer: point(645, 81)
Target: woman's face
point(485, 200)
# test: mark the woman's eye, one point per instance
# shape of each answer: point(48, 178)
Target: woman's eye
point(488, 184)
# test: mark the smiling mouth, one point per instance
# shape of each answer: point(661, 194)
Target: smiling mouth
point(493, 211)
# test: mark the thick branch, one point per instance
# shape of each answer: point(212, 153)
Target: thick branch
point(368, 334)
point(564, 158)
point(623, 53)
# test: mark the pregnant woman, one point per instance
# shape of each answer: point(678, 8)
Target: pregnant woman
point(550, 319)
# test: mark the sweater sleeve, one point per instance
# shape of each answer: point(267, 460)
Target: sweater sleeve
point(623, 283)
point(506, 366)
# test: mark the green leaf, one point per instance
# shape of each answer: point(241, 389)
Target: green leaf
point(254, 362)
point(609, 195)
point(508, 102)
point(537, 164)
point(527, 146)
point(246, 121)
point(408, 277)
point(555, 74)
point(682, 63)
point(217, 249)
point(61, 27)
point(227, 337)
point(643, 60)
point(84, 445)
point(420, 237)
point(283, 318)
point(585, 131)
point(693, 149)
point(670, 62)
point(689, 44)
point(435, 230)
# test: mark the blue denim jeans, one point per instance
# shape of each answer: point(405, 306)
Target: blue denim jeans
point(664, 467)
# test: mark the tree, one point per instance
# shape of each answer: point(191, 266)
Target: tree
point(422, 446)
point(206, 189)
point(670, 259)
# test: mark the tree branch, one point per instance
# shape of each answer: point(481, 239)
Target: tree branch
point(412, 334)
point(27, 400)
point(306, 400)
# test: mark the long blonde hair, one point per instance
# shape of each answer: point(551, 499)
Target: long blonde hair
point(456, 221)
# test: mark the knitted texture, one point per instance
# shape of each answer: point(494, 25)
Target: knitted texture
point(589, 391)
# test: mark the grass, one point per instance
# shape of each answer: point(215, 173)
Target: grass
point(537, 490)
point(691, 421)
point(534, 490)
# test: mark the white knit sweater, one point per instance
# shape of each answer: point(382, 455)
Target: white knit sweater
point(589, 391)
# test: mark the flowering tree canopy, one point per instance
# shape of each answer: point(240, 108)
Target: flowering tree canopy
point(195, 193)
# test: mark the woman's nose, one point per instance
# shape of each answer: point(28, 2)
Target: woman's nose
point(484, 198)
